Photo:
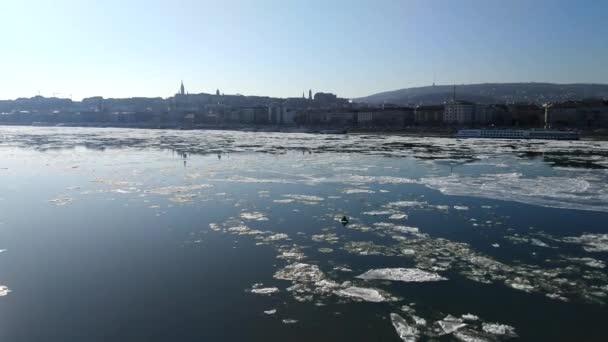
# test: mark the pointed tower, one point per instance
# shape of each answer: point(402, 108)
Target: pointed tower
point(310, 94)
point(182, 90)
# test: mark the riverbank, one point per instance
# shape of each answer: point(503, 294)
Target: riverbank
point(440, 132)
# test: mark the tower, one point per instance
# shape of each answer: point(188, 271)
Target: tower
point(217, 92)
point(182, 90)
point(310, 94)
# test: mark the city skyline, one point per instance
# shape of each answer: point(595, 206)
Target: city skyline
point(353, 49)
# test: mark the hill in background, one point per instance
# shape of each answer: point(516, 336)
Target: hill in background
point(487, 93)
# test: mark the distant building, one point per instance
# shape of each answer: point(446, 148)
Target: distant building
point(458, 113)
point(429, 115)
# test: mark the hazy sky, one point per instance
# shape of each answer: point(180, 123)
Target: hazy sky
point(280, 48)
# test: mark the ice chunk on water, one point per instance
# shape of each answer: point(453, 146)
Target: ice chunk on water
point(279, 236)
point(359, 191)
point(398, 217)
point(378, 212)
point(405, 204)
point(364, 293)
point(270, 312)
point(257, 216)
point(450, 324)
point(4, 290)
point(300, 272)
point(589, 262)
point(401, 274)
point(290, 321)
point(539, 243)
point(307, 198)
point(61, 201)
point(591, 242)
point(470, 317)
point(499, 329)
point(265, 290)
point(407, 332)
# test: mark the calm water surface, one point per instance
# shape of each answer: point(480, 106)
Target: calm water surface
point(147, 235)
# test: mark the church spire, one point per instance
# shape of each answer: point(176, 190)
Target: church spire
point(310, 94)
point(182, 90)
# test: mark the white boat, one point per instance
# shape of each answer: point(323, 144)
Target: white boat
point(517, 134)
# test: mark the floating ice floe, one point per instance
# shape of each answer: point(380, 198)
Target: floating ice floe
point(560, 192)
point(4, 290)
point(591, 242)
point(170, 190)
point(469, 317)
point(330, 238)
point(265, 290)
point(257, 216)
point(413, 275)
point(365, 294)
point(290, 321)
point(300, 272)
point(539, 243)
point(270, 312)
point(275, 237)
point(450, 324)
point(291, 253)
point(589, 262)
point(398, 216)
point(402, 204)
point(407, 332)
point(285, 200)
point(305, 198)
point(325, 250)
point(499, 329)
point(378, 212)
point(359, 191)
point(61, 201)
point(461, 207)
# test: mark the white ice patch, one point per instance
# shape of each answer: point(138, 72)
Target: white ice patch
point(407, 332)
point(560, 192)
point(451, 324)
point(171, 190)
point(265, 290)
point(589, 262)
point(591, 242)
point(364, 293)
point(378, 212)
point(276, 237)
point(306, 198)
point(4, 290)
point(359, 191)
point(410, 275)
point(270, 312)
point(257, 216)
point(499, 329)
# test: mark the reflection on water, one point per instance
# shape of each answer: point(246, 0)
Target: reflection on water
point(189, 235)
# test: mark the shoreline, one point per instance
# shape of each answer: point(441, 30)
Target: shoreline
point(422, 132)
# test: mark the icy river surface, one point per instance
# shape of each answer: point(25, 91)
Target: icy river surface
point(162, 235)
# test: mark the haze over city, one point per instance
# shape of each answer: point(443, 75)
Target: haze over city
point(276, 48)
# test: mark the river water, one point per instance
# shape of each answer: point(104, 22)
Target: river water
point(152, 235)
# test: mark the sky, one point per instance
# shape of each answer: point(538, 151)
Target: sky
point(126, 48)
